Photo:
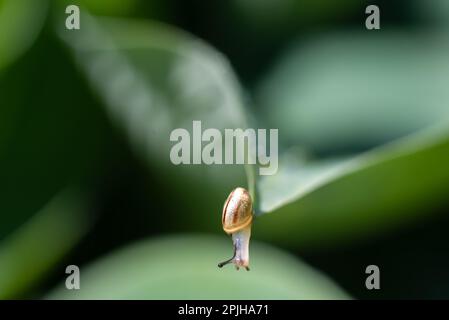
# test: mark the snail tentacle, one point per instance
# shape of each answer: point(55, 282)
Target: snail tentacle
point(221, 264)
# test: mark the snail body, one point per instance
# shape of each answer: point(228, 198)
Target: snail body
point(237, 218)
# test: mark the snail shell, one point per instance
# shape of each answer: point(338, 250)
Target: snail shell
point(237, 217)
point(237, 211)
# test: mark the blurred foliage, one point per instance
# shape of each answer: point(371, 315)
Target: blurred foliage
point(154, 79)
point(351, 92)
point(27, 254)
point(53, 136)
point(20, 22)
point(179, 267)
point(106, 7)
point(281, 15)
point(387, 187)
point(363, 125)
point(395, 88)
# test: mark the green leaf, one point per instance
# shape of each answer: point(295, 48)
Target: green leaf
point(342, 94)
point(324, 203)
point(20, 23)
point(354, 91)
point(49, 137)
point(102, 7)
point(435, 14)
point(285, 15)
point(154, 78)
point(31, 251)
point(184, 267)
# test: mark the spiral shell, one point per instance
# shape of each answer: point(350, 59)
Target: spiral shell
point(237, 211)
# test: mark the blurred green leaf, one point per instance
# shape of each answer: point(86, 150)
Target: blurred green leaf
point(50, 137)
point(20, 23)
point(102, 7)
point(184, 267)
point(31, 251)
point(289, 14)
point(434, 13)
point(323, 202)
point(353, 91)
point(347, 93)
point(154, 78)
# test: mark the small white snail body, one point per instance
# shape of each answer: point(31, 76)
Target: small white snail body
point(237, 219)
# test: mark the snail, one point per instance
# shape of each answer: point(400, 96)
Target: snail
point(237, 218)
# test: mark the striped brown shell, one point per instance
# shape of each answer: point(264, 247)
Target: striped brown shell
point(237, 211)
